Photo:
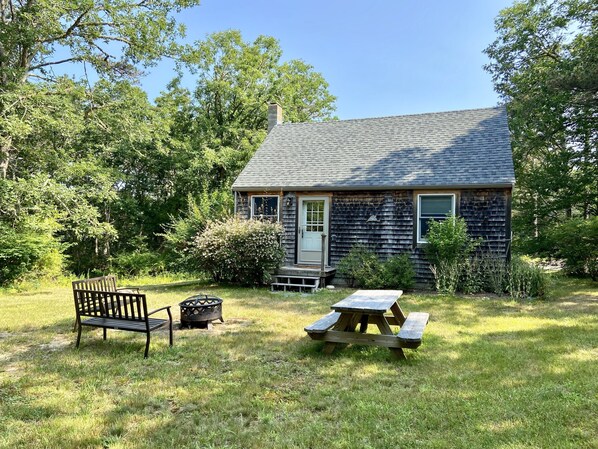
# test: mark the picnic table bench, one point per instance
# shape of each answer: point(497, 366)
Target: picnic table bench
point(366, 307)
point(107, 307)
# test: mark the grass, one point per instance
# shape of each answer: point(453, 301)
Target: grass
point(492, 373)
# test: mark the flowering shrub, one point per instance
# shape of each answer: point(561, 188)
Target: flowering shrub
point(239, 251)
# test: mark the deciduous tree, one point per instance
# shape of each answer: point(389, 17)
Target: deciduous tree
point(544, 63)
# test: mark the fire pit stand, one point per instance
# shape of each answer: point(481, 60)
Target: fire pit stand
point(200, 310)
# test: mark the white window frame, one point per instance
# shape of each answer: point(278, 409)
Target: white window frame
point(419, 208)
point(251, 203)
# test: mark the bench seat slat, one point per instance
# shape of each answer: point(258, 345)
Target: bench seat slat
point(115, 323)
point(412, 329)
point(323, 324)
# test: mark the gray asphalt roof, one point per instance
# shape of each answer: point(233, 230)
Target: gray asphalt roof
point(444, 149)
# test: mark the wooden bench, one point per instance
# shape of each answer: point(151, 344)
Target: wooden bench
point(412, 330)
point(111, 309)
point(323, 324)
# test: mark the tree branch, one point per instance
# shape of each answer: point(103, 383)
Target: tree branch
point(77, 25)
point(62, 61)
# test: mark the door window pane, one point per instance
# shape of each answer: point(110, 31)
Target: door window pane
point(314, 216)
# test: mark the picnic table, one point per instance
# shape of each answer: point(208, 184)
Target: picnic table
point(364, 307)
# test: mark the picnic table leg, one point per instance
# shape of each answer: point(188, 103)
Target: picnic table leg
point(355, 320)
point(398, 313)
point(344, 321)
point(363, 327)
point(386, 330)
point(328, 347)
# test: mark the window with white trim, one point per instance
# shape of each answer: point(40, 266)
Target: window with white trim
point(265, 207)
point(432, 207)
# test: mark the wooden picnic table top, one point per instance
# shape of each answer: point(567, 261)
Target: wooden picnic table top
point(368, 301)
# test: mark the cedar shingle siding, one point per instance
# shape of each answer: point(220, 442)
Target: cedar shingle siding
point(486, 211)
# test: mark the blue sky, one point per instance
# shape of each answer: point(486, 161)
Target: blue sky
point(380, 57)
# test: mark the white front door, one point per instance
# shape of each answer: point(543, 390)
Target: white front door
point(313, 222)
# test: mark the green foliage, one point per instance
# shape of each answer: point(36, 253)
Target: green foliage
point(448, 241)
point(399, 272)
point(181, 232)
point(449, 248)
point(112, 36)
point(29, 252)
point(457, 268)
point(138, 263)
point(472, 276)
point(239, 251)
point(227, 114)
point(362, 268)
point(447, 275)
point(527, 280)
point(544, 65)
point(104, 162)
point(496, 273)
point(576, 241)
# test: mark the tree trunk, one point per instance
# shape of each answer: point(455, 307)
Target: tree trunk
point(5, 150)
point(536, 232)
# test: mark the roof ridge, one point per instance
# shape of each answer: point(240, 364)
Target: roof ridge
point(391, 116)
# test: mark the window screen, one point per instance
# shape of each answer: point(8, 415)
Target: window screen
point(264, 208)
point(433, 207)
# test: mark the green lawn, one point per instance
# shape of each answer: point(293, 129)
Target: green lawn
point(491, 373)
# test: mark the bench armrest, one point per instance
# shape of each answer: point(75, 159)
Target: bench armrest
point(167, 308)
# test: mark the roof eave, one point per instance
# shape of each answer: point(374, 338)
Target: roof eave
point(321, 188)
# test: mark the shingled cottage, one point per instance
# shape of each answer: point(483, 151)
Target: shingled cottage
point(379, 182)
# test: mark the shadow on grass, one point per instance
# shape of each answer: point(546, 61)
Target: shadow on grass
point(258, 385)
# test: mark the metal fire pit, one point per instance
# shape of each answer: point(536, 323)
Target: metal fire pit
point(200, 310)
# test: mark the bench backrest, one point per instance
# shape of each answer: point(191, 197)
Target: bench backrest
point(110, 304)
point(103, 283)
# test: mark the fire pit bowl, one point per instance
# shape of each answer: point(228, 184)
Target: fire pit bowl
point(200, 310)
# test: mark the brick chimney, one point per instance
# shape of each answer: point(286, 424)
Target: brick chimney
point(274, 115)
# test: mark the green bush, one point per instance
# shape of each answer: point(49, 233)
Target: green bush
point(576, 242)
point(496, 273)
point(362, 268)
point(449, 249)
point(447, 275)
point(448, 241)
point(138, 263)
point(239, 251)
point(180, 233)
point(399, 273)
point(527, 280)
point(29, 252)
point(472, 275)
